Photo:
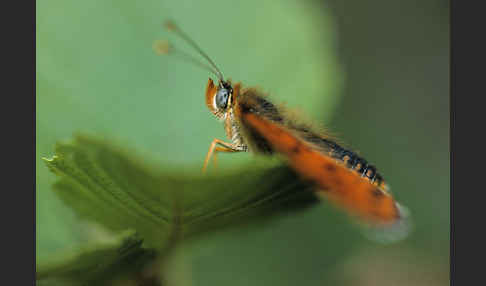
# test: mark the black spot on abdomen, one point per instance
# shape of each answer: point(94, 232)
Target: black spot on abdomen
point(330, 168)
point(377, 193)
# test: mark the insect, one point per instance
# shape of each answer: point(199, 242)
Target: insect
point(254, 124)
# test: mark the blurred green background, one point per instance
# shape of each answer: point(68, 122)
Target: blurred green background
point(376, 73)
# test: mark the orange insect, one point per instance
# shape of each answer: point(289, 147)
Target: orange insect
point(252, 123)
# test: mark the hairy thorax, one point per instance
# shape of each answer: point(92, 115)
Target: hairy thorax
point(233, 130)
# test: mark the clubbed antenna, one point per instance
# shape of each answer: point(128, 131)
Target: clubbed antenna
point(163, 47)
point(171, 26)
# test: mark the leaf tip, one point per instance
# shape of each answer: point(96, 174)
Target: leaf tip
point(49, 160)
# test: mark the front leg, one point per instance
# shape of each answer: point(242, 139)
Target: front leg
point(226, 147)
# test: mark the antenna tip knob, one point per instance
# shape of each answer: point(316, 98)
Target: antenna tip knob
point(170, 25)
point(161, 47)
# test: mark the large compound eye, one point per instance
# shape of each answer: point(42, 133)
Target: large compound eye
point(222, 98)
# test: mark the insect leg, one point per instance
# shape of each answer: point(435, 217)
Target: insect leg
point(220, 149)
point(226, 147)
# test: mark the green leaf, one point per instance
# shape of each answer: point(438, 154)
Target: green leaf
point(121, 257)
point(109, 185)
point(105, 183)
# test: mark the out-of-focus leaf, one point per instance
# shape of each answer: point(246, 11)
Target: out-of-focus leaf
point(107, 184)
point(122, 257)
point(96, 71)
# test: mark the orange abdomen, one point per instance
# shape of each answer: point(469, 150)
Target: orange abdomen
point(334, 180)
